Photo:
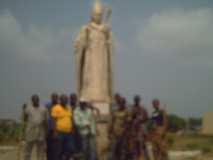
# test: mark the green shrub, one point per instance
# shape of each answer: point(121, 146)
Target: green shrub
point(171, 141)
point(9, 134)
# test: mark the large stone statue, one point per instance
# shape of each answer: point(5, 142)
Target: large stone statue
point(93, 49)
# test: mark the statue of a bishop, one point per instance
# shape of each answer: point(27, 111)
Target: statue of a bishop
point(93, 50)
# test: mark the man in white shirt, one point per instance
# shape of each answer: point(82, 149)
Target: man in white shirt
point(85, 122)
point(35, 117)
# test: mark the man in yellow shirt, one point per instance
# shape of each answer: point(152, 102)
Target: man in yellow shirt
point(62, 115)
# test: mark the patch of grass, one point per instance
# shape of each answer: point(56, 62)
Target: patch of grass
point(193, 146)
point(171, 140)
point(9, 135)
point(193, 142)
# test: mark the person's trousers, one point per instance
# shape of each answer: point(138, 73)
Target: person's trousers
point(53, 148)
point(117, 148)
point(77, 138)
point(66, 145)
point(89, 147)
point(40, 149)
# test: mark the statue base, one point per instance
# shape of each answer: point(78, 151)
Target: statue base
point(103, 107)
point(102, 124)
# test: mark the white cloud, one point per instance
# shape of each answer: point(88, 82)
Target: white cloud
point(34, 43)
point(179, 32)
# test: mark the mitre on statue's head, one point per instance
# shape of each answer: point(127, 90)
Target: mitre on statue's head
point(97, 8)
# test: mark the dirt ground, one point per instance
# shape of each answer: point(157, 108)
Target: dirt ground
point(179, 143)
point(11, 155)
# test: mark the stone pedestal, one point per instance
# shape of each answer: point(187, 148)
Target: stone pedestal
point(104, 108)
point(103, 120)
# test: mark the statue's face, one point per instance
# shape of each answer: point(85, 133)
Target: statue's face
point(97, 18)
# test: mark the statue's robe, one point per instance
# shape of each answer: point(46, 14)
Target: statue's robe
point(93, 49)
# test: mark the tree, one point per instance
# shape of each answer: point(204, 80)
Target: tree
point(195, 123)
point(176, 123)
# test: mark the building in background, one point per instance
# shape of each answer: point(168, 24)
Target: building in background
point(207, 127)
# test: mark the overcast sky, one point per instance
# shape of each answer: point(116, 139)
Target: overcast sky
point(162, 48)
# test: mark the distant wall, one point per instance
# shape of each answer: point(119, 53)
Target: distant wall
point(207, 127)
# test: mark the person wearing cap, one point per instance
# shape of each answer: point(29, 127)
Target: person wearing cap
point(85, 122)
point(62, 115)
point(160, 126)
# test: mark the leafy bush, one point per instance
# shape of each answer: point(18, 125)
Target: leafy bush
point(176, 123)
point(9, 132)
point(195, 123)
point(171, 141)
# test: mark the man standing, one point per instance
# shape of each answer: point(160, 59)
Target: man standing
point(139, 129)
point(139, 110)
point(160, 125)
point(23, 121)
point(52, 142)
point(85, 121)
point(73, 100)
point(77, 136)
point(35, 117)
point(62, 115)
point(116, 101)
point(121, 118)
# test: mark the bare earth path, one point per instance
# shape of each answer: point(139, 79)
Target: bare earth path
point(10, 154)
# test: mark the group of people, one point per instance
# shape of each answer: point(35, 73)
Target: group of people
point(65, 128)
point(134, 134)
